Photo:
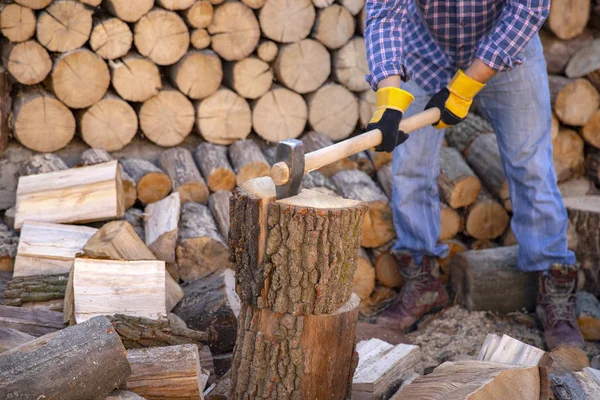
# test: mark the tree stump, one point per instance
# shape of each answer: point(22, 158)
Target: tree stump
point(287, 21)
point(162, 36)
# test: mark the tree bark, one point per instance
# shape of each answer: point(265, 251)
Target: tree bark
point(135, 217)
point(287, 22)
point(43, 163)
point(64, 26)
point(486, 218)
point(334, 26)
point(31, 321)
point(377, 228)
point(152, 184)
point(219, 207)
point(214, 165)
point(302, 66)
point(333, 111)
point(160, 226)
point(223, 117)
point(568, 19)
point(280, 114)
point(198, 74)
point(17, 23)
point(235, 31)
point(93, 363)
point(39, 291)
point(250, 78)
point(111, 38)
point(200, 14)
point(558, 52)
point(135, 78)
point(314, 141)
point(248, 161)
point(211, 304)
point(576, 102)
point(162, 36)
point(179, 164)
point(458, 184)
point(266, 238)
point(320, 362)
point(8, 248)
point(200, 247)
point(461, 135)
point(350, 65)
point(127, 10)
point(28, 62)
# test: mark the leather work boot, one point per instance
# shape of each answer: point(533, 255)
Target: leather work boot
point(422, 291)
point(556, 306)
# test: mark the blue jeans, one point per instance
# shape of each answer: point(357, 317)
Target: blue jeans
point(517, 104)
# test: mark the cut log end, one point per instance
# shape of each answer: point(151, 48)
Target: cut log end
point(17, 23)
point(64, 26)
point(162, 36)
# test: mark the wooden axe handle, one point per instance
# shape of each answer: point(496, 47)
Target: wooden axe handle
point(280, 173)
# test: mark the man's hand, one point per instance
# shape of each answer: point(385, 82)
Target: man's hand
point(455, 99)
point(391, 104)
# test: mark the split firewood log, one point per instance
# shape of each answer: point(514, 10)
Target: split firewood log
point(386, 266)
point(364, 277)
point(28, 62)
point(93, 363)
point(219, 208)
point(507, 350)
point(198, 74)
point(234, 30)
point(250, 78)
point(210, 303)
point(127, 10)
point(31, 321)
point(333, 111)
point(179, 164)
point(167, 118)
point(248, 161)
point(567, 153)
point(117, 240)
point(279, 114)
point(287, 22)
point(314, 141)
point(214, 165)
point(328, 359)
point(10, 338)
point(568, 19)
point(458, 184)
point(378, 227)
point(152, 183)
point(64, 26)
point(576, 102)
point(263, 278)
point(267, 50)
point(135, 78)
point(200, 39)
point(111, 38)
point(350, 65)
point(42, 292)
point(8, 248)
point(200, 247)
point(17, 23)
point(485, 219)
point(199, 14)
point(223, 117)
point(334, 26)
point(161, 221)
point(41, 122)
point(558, 52)
point(303, 66)
point(162, 36)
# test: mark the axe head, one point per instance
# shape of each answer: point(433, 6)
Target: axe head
point(291, 152)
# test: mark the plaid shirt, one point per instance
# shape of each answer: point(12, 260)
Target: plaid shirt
point(428, 40)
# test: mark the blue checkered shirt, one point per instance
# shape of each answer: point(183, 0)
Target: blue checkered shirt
point(428, 40)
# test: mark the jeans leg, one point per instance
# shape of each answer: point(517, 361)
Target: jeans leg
point(517, 104)
point(415, 198)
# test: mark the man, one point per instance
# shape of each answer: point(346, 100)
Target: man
point(449, 54)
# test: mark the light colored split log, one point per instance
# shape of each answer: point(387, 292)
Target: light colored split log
point(127, 10)
point(135, 217)
point(34, 4)
point(334, 26)
point(333, 111)
point(483, 156)
point(175, 4)
point(558, 52)
point(250, 78)
point(461, 135)
point(313, 141)
point(108, 287)
point(286, 21)
point(489, 280)
point(8, 248)
point(31, 321)
point(110, 124)
point(171, 372)
point(17, 23)
point(41, 292)
point(31, 370)
point(303, 66)
point(111, 38)
point(567, 153)
point(10, 338)
point(279, 114)
point(476, 380)
point(451, 222)
point(215, 168)
point(211, 303)
point(117, 240)
point(200, 247)
point(364, 277)
point(386, 266)
point(320, 362)
point(458, 184)
point(152, 183)
point(49, 249)
point(64, 26)
point(219, 207)
point(223, 117)
point(179, 164)
point(267, 50)
point(200, 39)
point(85, 194)
point(167, 118)
point(97, 156)
point(198, 74)
point(42, 163)
point(80, 78)
point(591, 130)
point(160, 226)
point(199, 14)
point(366, 107)
point(587, 311)
point(585, 60)
point(28, 62)
point(350, 65)
point(383, 367)
point(507, 350)
point(576, 102)
point(248, 160)
point(135, 78)
point(485, 218)
point(162, 36)
point(234, 30)
point(42, 123)
point(568, 18)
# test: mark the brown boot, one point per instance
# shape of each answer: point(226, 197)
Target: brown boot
point(556, 306)
point(422, 291)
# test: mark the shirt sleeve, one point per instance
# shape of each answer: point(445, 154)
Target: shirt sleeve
point(383, 39)
point(519, 21)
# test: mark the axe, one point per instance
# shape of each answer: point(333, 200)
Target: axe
point(291, 163)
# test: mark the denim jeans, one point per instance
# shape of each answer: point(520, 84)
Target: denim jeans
point(517, 104)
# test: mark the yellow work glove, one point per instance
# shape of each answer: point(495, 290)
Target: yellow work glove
point(391, 104)
point(455, 99)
